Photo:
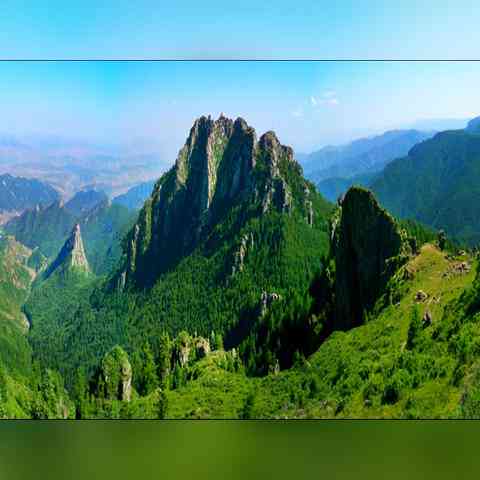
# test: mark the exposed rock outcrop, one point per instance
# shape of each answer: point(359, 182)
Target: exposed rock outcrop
point(202, 347)
point(116, 372)
point(247, 243)
point(71, 257)
point(368, 247)
point(266, 301)
point(221, 165)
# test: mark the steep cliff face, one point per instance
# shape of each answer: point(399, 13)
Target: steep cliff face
point(220, 166)
point(368, 246)
point(71, 257)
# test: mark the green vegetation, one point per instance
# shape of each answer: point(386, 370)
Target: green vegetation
point(437, 183)
point(273, 304)
point(45, 229)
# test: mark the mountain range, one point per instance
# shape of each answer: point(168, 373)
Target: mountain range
point(437, 183)
point(18, 194)
point(45, 229)
point(366, 155)
point(238, 291)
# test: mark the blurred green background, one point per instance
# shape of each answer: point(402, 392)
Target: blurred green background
point(239, 449)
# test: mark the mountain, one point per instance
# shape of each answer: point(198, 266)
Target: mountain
point(63, 286)
point(473, 126)
point(363, 156)
point(234, 218)
point(440, 124)
point(334, 187)
point(18, 194)
point(85, 201)
point(71, 256)
point(46, 229)
point(136, 196)
point(71, 164)
point(221, 169)
point(437, 183)
point(242, 293)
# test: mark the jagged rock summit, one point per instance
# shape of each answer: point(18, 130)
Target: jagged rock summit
point(221, 166)
point(368, 246)
point(71, 257)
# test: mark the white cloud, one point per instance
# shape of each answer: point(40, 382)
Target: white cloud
point(298, 113)
point(326, 98)
point(329, 94)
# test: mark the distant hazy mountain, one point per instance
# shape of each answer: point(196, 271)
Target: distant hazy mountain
point(17, 193)
point(438, 183)
point(333, 188)
point(363, 156)
point(75, 164)
point(136, 196)
point(84, 201)
point(440, 124)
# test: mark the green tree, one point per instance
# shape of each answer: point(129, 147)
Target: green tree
point(247, 410)
point(3, 392)
point(149, 380)
point(164, 357)
point(414, 329)
point(162, 405)
point(80, 392)
point(442, 239)
point(218, 341)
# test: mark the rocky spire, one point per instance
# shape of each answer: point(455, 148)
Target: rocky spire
point(71, 256)
point(368, 246)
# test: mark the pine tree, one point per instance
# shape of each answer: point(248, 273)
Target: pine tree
point(414, 328)
point(80, 391)
point(162, 404)
point(218, 342)
point(149, 371)
point(164, 358)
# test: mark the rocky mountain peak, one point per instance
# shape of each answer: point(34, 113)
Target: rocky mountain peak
point(222, 164)
point(71, 256)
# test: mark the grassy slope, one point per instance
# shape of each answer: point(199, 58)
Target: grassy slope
point(366, 372)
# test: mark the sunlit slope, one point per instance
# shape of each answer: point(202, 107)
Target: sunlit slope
point(371, 371)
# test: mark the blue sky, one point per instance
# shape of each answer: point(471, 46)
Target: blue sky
point(242, 29)
point(309, 104)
